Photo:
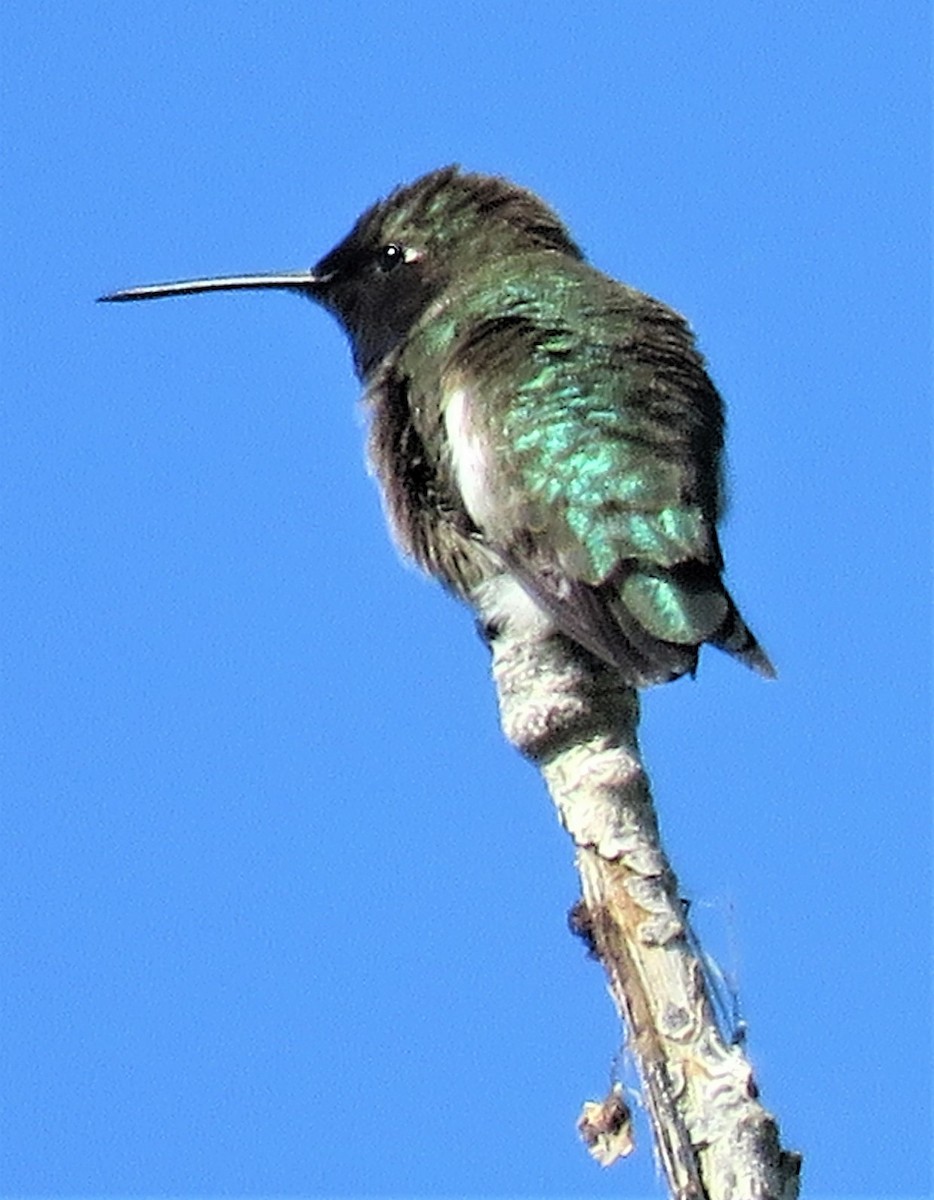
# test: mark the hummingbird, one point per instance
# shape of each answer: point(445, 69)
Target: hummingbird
point(547, 440)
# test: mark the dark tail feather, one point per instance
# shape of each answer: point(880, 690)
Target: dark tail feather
point(736, 638)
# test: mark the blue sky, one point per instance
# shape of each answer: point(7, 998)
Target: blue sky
point(282, 911)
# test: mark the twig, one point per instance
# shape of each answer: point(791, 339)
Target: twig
point(714, 1140)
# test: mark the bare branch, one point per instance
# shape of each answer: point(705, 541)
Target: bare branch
point(714, 1140)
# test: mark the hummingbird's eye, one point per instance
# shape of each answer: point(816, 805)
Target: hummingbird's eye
point(390, 257)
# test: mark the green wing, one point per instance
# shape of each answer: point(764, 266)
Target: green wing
point(606, 434)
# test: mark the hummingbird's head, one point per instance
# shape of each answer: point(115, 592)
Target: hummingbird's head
point(404, 252)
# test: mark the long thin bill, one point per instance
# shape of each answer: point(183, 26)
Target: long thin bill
point(294, 281)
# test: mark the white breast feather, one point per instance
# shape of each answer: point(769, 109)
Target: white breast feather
point(502, 600)
point(470, 460)
point(505, 603)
